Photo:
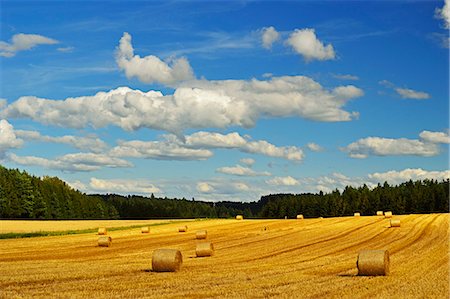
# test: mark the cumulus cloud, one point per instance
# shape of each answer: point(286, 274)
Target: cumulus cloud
point(407, 93)
point(331, 182)
point(283, 181)
point(244, 144)
point(198, 146)
point(151, 69)
point(397, 177)
point(306, 43)
point(435, 137)
point(205, 104)
point(160, 150)
point(22, 42)
point(314, 147)
point(221, 187)
point(78, 162)
point(122, 186)
point(247, 161)
point(241, 171)
point(387, 147)
point(215, 140)
point(269, 35)
point(77, 185)
point(444, 13)
point(90, 143)
point(204, 187)
point(8, 138)
point(3, 103)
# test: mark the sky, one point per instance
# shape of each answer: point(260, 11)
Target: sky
point(225, 100)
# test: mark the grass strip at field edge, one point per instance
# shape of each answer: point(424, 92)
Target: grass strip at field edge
point(76, 232)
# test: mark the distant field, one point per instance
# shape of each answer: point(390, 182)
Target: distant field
point(26, 226)
point(311, 258)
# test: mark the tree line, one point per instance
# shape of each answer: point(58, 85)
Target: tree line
point(427, 196)
point(26, 196)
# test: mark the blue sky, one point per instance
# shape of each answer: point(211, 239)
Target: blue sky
point(225, 100)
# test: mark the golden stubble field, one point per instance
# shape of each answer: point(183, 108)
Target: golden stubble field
point(310, 258)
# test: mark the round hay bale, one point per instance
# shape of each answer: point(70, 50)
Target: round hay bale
point(239, 217)
point(201, 234)
point(102, 231)
point(104, 241)
point(373, 262)
point(357, 214)
point(182, 229)
point(379, 213)
point(166, 260)
point(145, 230)
point(395, 222)
point(204, 249)
point(388, 214)
point(300, 216)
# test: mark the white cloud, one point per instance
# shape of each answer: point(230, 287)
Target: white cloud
point(90, 143)
point(314, 147)
point(204, 187)
point(435, 137)
point(241, 171)
point(22, 42)
point(283, 181)
point(66, 49)
point(345, 77)
point(122, 186)
point(204, 104)
point(160, 150)
point(234, 140)
point(78, 162)
point(8, 138)
point(220, 187)
point(269, 35)
point(247, 161)
point(265, 148)
point(398, 177)
point(387, 147)
point(444, 13)
point(406, 93)
point(3, 103)
point(151, 69)
point(198, 147)
point(215, 140)
point(77, 185)
point(328, 183)
point(306, 43)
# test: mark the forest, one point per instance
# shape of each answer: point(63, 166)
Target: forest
point(26, 196)
point(30, 197)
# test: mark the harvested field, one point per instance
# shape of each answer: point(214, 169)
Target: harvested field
point(311, 258)
point(27, 226)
